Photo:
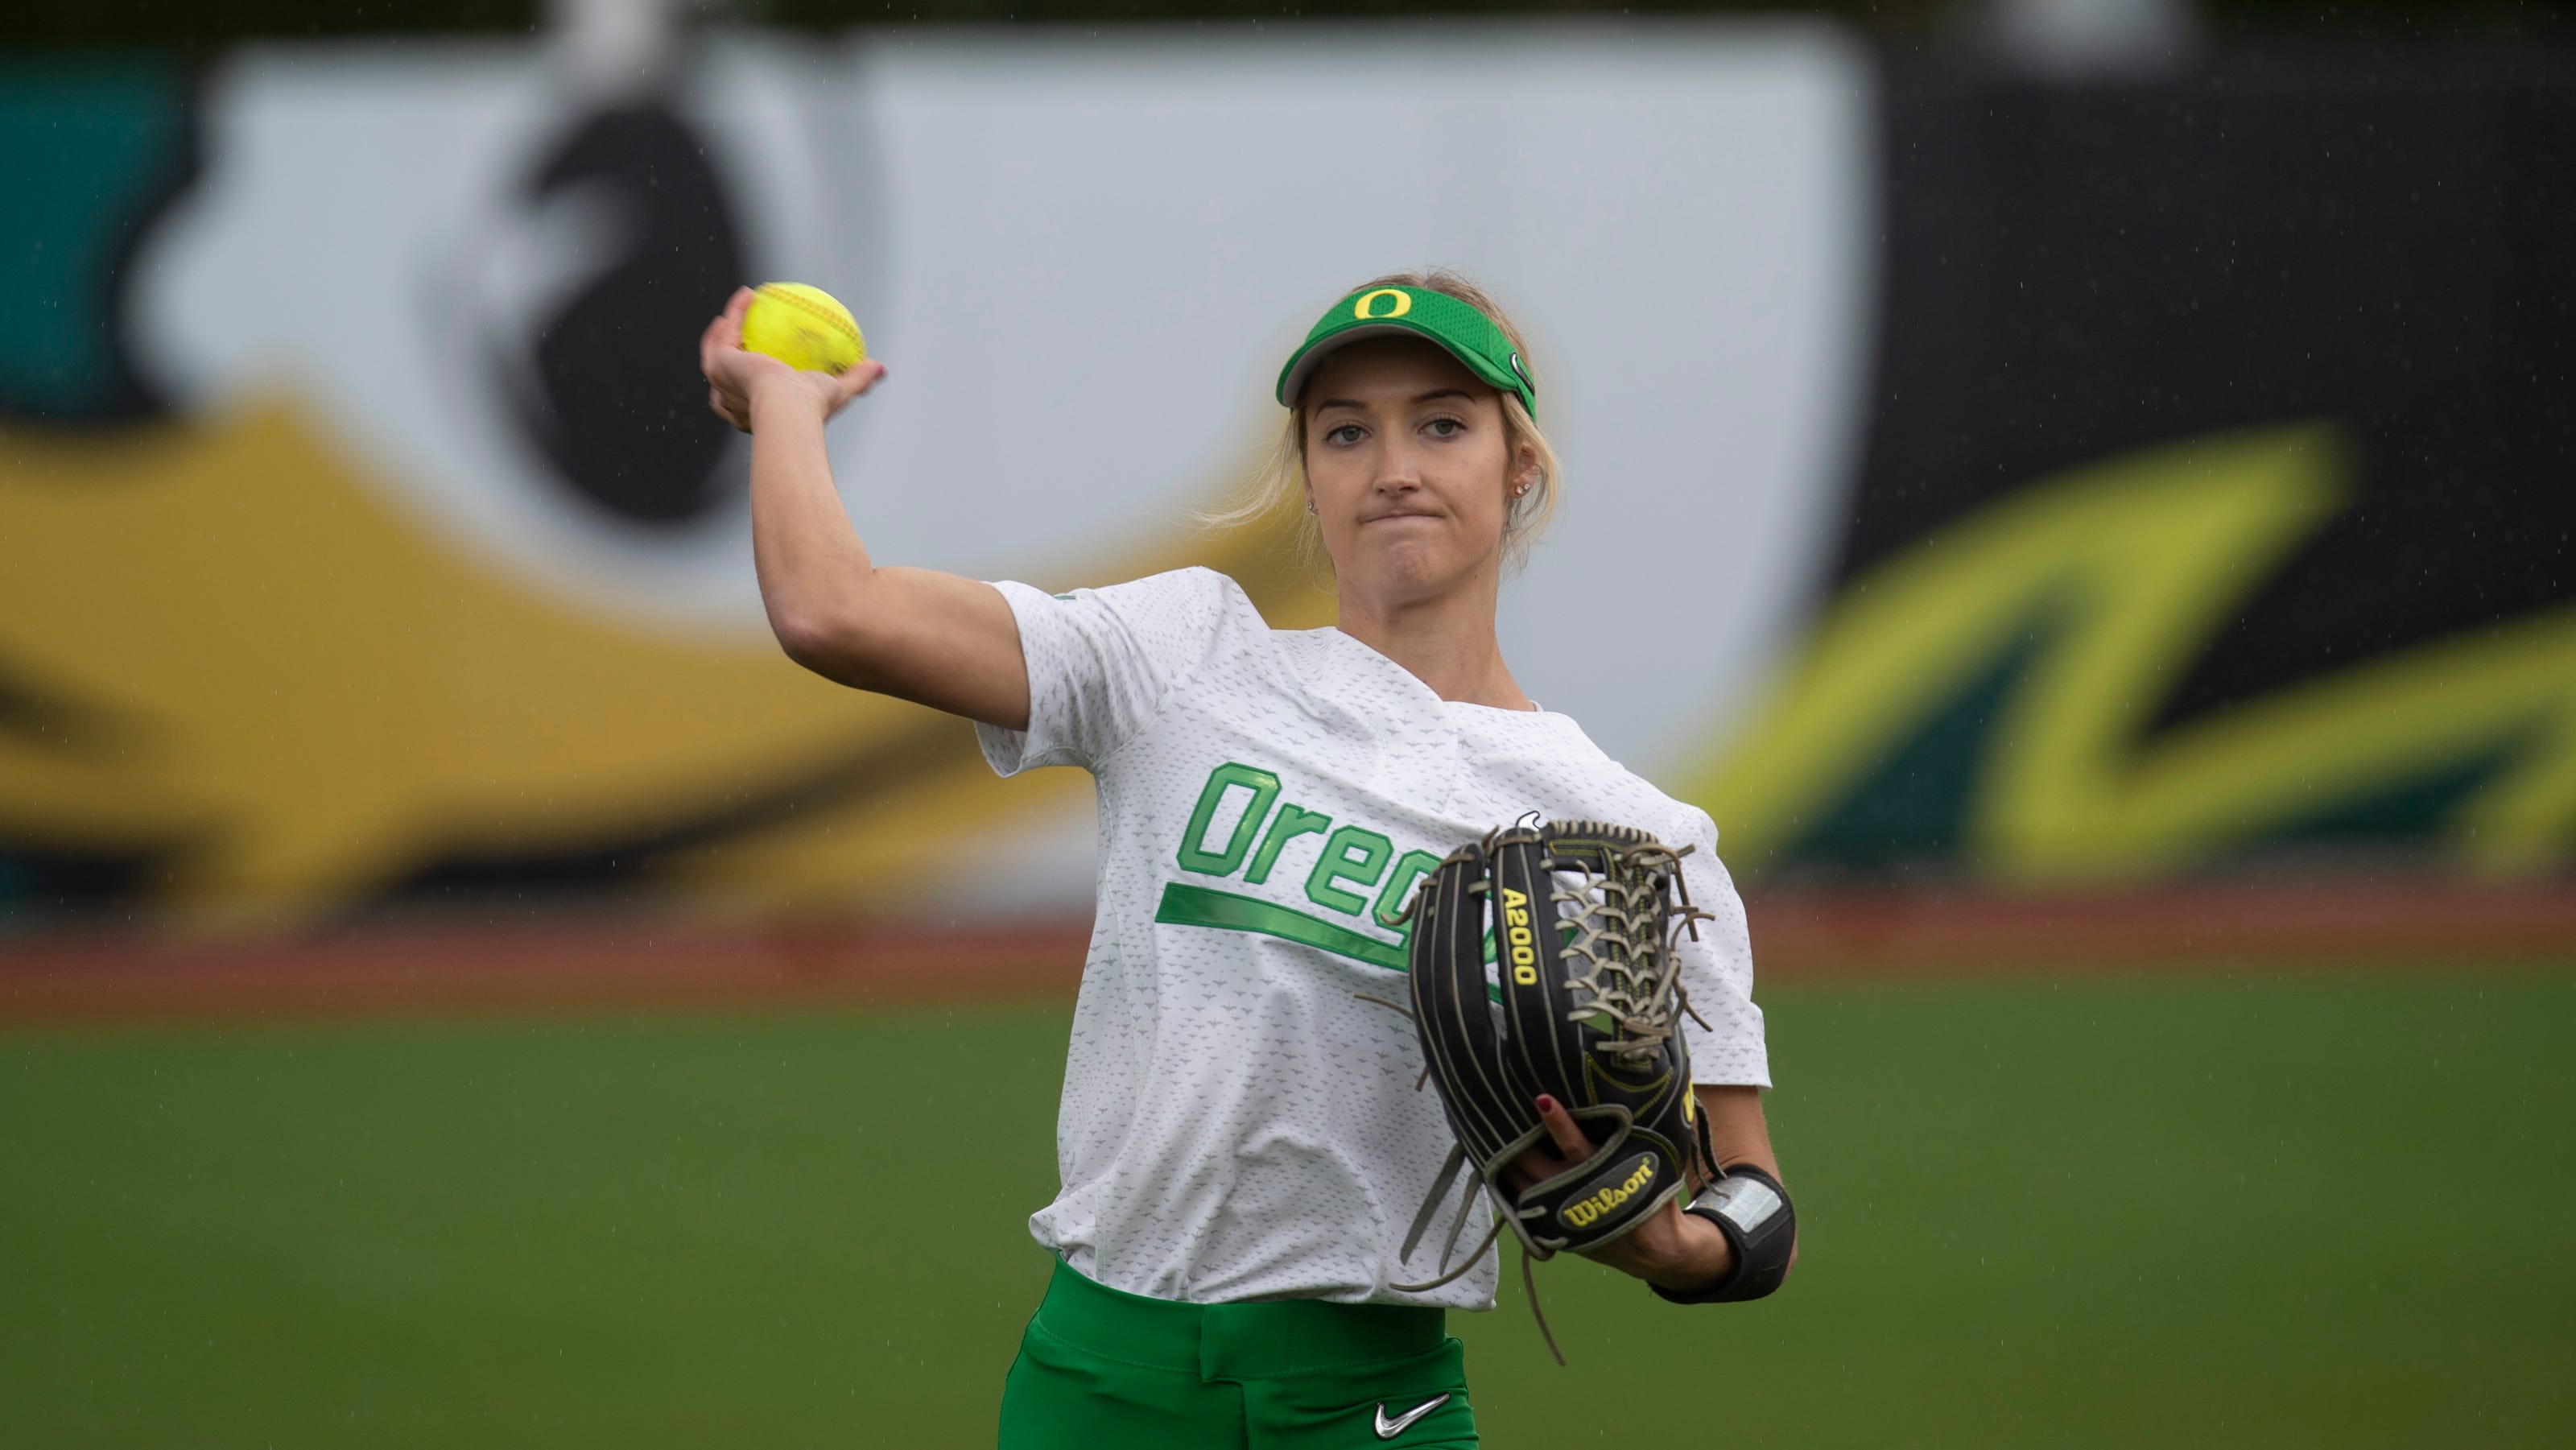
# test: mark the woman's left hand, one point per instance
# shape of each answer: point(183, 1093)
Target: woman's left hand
point(1673, 1249)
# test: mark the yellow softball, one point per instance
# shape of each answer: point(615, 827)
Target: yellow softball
point(803, 327)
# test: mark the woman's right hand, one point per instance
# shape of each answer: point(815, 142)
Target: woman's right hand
point(737, 376)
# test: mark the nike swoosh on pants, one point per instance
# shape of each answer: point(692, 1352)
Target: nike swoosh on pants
point(1388, 1429)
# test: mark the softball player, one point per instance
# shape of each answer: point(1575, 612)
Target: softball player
point(1241, 1142)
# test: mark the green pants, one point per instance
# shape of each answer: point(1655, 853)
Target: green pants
point(1099, 1368)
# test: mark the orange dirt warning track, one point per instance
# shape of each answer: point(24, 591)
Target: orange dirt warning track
point(1798, 936)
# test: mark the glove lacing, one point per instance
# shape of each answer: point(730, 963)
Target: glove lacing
point(1631, 968)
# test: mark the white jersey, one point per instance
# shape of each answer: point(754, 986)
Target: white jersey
point(1236, 1123)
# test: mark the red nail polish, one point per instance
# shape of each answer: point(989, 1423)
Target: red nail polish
point(1546, 1104)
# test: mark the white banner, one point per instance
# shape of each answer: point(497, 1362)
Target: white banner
point(1084, 260)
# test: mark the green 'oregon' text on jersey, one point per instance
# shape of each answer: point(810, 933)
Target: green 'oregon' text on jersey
point(1236, 1124)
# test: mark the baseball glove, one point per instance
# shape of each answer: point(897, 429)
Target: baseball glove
point(1542, 961)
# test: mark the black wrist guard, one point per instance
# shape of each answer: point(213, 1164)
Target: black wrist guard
point(1751, 1208)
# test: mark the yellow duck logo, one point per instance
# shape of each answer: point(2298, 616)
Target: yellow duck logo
point(226, 651)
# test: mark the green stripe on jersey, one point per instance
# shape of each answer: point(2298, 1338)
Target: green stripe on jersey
point(1198, 906)
point(1185, 905)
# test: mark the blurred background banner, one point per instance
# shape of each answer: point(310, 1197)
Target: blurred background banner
point(2041, 480)
point(365, 539)
point(2214, 509)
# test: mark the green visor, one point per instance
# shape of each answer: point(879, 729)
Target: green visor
point(1469, 335)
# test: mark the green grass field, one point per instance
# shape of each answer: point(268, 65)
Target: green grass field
point(2197, 1211)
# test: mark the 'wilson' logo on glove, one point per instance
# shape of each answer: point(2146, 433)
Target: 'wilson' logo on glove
point(1592, 1208)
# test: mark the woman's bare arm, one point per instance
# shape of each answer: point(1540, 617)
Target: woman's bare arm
point(1736, 1127)
point(939, 639)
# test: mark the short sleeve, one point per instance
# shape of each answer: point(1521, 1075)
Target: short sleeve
point(1102, 661)
point(1717, 971)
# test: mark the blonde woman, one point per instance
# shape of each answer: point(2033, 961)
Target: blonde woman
point(1240, 1140)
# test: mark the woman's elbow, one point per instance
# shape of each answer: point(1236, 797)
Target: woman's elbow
point(827, 641)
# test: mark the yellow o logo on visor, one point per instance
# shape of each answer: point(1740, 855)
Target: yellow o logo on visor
point(1403, 304)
